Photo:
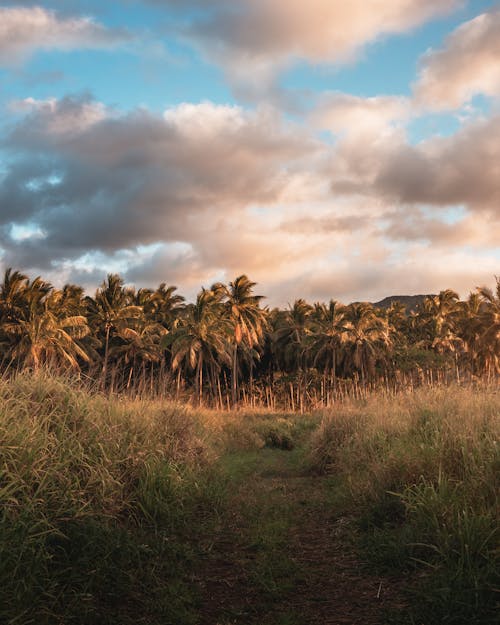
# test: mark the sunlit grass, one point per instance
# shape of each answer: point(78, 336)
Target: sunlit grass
point(96, 497)
point(105, 499)
point(421, 474)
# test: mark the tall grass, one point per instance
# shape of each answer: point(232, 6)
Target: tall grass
point(102, 500)
point(421, 473)
point(97, 497)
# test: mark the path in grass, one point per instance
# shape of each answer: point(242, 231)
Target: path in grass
point(283, 555)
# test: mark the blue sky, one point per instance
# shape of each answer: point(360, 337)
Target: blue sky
point(326, 149)
point(161, 70)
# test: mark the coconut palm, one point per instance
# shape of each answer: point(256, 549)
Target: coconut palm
point(366, 338)
point(200, 341)
point(490, 321)
point(470, 329)
point(166, 305)
point(12, 295)
point(438, 313)
point(44, 338)
point(292, 326)
point(110, 311)
point(138, 346)
point(328, 335)
point(247, 318)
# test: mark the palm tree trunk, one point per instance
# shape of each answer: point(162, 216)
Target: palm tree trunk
point(178, 385)
point(198, 384)
point(234, 380)
point(252, 399)
point(106, 355)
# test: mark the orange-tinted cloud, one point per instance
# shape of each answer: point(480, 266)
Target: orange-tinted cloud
point(24, 30)
point(468, 64)
point(254, 39)
point(207, 192)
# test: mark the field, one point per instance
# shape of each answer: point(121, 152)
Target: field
point(382, 510)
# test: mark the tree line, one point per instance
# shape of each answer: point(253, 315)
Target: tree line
point(226, 348)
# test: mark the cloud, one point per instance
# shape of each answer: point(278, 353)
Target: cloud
point(439, 230)
point(92, 179)
point(55, 119)
point(467, 65)
point(206, 192)
point(419, 270)
point(24, 30)
point(442, 171)
point(344, 114)
point(255, 39)
point(460, 169)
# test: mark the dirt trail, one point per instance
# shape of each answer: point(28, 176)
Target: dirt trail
point(283, 557)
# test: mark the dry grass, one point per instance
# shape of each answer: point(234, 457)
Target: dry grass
point(421, 473)
point(99, 496)
point(96, 496)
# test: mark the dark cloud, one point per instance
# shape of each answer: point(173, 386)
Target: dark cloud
point(208, 192)
point(460, 169)
point(93, 180)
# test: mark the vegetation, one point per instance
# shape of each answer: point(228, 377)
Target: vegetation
point(420, 473)
point(97, 501)
point(123, 492)
point(116, 510)
point(226, 350)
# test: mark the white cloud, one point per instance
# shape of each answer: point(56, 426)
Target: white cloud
point(468, 64)
point(348, 115)
point(254, 39)
point(24, 30)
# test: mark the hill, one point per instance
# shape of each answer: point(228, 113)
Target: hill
point(410, 301)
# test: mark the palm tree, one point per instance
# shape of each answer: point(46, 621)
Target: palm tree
point(291, 329)
point(110, 310)
point(12, 295)
point(469, 328)
point(437, 313)
point(490, 321)
point(366, 338)
point(200, 339)
point(248, 321)
point(166, 305)
point(43, 338)
point(140, 344)
point(328, 335)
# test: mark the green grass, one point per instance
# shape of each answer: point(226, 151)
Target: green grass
point(106, 504)
point(261, 529)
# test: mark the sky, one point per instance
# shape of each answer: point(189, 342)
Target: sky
point(327, 149)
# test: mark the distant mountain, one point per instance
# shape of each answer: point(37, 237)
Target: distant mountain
point(410, 301)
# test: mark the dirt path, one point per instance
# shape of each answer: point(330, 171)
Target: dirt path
point(283, 556)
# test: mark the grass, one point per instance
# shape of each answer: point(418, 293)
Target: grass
point(97, 499)
point(112, 510)
point(420, 474)
point(105, 503)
